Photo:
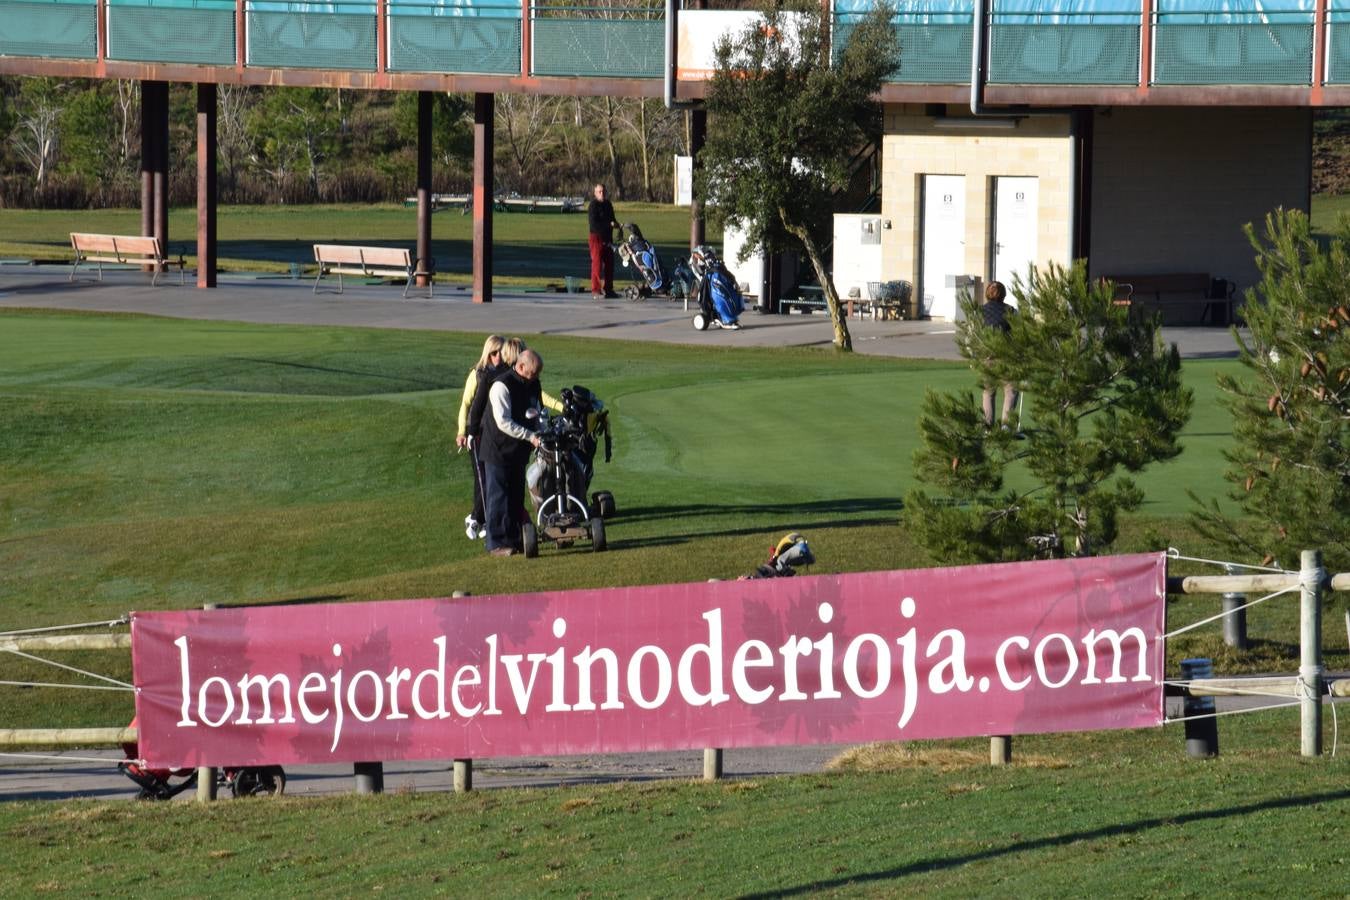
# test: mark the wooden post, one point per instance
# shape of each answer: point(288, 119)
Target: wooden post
point(369, 777)
point(1234, 616)
point(1000, 749)
point(483, 145)
point(463, 775)
point(712, 764)
point(1311, 577)
point(160, 136)
point(206, 775)
point(206, 185)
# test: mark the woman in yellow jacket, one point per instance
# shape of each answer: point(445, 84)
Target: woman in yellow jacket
point(499, 356)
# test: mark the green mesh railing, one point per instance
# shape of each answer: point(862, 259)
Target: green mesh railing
point(182, 31)
point(599, 41)
point(433, 37)
point(56, 29)
point(300, 34)
point(1189, 50)
point(930, 53)
point(1072, 49)
point(1338, 42)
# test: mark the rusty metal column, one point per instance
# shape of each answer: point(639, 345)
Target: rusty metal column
point(206, 185)
point(147, 159)
point(483, 105)
point(425, 264)
point(159, 136)
point(698, 133)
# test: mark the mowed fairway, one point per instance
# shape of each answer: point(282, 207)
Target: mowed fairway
point(151, 463)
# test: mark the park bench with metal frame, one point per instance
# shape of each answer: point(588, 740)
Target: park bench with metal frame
point(123, 250)
point(368, 262)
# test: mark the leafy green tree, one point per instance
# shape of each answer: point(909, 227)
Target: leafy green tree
point(1101, 394)
point(784, 124)
point(1290, 463)
point(451, 125)
point(295, 129)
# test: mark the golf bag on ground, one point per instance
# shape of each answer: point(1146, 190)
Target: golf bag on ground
point(719, 299)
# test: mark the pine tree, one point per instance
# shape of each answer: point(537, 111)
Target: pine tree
point(1290, 464)
point(786, 121)
point(1102, 396)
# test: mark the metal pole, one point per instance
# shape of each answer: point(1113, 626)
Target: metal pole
point(1310, 578)
point(1234, 618)
point(712, 764)
point(483, 114)
point(698, 136)
point(206, 185)
point(206, 775)
point(1000, 750)
point(369, 777)
point(1202, 729)
point(463, 775)
point(424, 132)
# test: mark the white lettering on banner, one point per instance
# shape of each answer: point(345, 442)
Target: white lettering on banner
point(653, 677)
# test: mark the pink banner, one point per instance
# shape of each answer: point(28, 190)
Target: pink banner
point(1070, 645)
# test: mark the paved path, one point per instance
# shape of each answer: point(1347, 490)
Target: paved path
point(283, 301)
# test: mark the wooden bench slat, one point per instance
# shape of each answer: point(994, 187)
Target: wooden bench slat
point(371, 262)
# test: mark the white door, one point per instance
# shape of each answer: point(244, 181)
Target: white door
point(943, 236)
point(1015, 221)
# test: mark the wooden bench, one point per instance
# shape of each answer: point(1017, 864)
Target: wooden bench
point(1170, 290)
point(369, 262)
point(126, 250)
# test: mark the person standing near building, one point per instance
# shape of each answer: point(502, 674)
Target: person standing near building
point(600, 214)
point(507, 441)
point(996, 314)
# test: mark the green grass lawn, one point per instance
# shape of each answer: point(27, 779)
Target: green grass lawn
point(1108, 814)
point(151, 463)
point(528, 248)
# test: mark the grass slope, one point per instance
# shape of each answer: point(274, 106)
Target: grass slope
point(1106, 814)
point(153, 463)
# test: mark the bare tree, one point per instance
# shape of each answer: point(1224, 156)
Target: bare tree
point(651, 126)
point(37, 139)
point(232, 140)
point(527, 122)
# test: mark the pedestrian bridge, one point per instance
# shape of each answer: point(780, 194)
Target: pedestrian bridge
point(1082, 51)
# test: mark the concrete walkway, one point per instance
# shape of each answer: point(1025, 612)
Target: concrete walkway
point(281, 300)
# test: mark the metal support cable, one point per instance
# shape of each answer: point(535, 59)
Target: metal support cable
point(58, 665)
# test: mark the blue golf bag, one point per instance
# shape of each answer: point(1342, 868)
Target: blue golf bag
point(719, 299)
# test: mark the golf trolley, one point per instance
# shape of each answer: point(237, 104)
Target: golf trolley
point(165, 784)
point(561, 473)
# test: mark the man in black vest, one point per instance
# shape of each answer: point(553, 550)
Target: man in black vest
point(505, 451)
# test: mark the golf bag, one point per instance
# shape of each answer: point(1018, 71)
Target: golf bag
point(650, 276)
point(719, 300)
point(785, 558)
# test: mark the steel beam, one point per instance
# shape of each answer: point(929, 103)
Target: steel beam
point(483, 146)
point(206, 185)
point(425, 264)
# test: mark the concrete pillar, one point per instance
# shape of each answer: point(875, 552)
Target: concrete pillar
point(712, 764)
point(369, 777)
point(483, 147)
point(425, 264)
point(463, 775)
point(206, 185)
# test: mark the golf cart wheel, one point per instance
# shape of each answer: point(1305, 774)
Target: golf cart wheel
point(632, 292)
point(598, 535)
point(602, 505)
point(700, 322)
point(262, 781)
point(529, 540)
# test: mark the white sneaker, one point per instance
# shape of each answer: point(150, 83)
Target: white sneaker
point(482, 533)
point(472, 528)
